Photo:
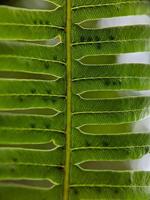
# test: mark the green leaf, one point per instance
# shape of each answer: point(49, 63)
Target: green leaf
point(111, 193)
point(31, 17)
point(29, 192)
point(100, 178)
point(31, 136)
point(81, 139)
point(13, 63)
point(114, 154)
point(26, 32)
point(98, 2)
point(112, 33)
point(110, 10)
point(66, 101)
point(109, 48)
point(31, 50)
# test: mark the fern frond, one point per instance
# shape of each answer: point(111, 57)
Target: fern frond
point(66, 101)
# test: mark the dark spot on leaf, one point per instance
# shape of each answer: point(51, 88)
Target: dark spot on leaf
point(97, 38)
point(61, 168)
point(116, 191)
point(32, 125)
point(14, 159)
point(33, 91)
point(65, 29)
point(129, 181)
point(111, 37)
point(98, 45)
point(47, 126)
point(89, 39)
point(46, 99)
point(98, 190)
point(63, 148)
point(53, 99)
point(75, 191)
point(61, 164)
point(82, 39)
point(118, 6)
point(47, 22)
point(147, 149)
point(107, 82)
point(20, 99)
point(49, 91)
point(116, 82)
point(35, 21)
point(119, 82)
point(105, 144)
point(55, 58)
point(41, 22)
point(88, 144)
point(12, 169)
point(46, 65)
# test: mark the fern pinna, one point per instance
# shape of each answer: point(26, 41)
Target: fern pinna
point(66, 119)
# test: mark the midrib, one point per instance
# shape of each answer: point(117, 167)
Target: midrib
point(69, 91)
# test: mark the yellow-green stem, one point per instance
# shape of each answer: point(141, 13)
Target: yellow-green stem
point(69, 111)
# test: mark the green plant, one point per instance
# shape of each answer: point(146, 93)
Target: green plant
point(50, 118)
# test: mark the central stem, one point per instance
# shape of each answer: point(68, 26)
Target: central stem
point(69, 103)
